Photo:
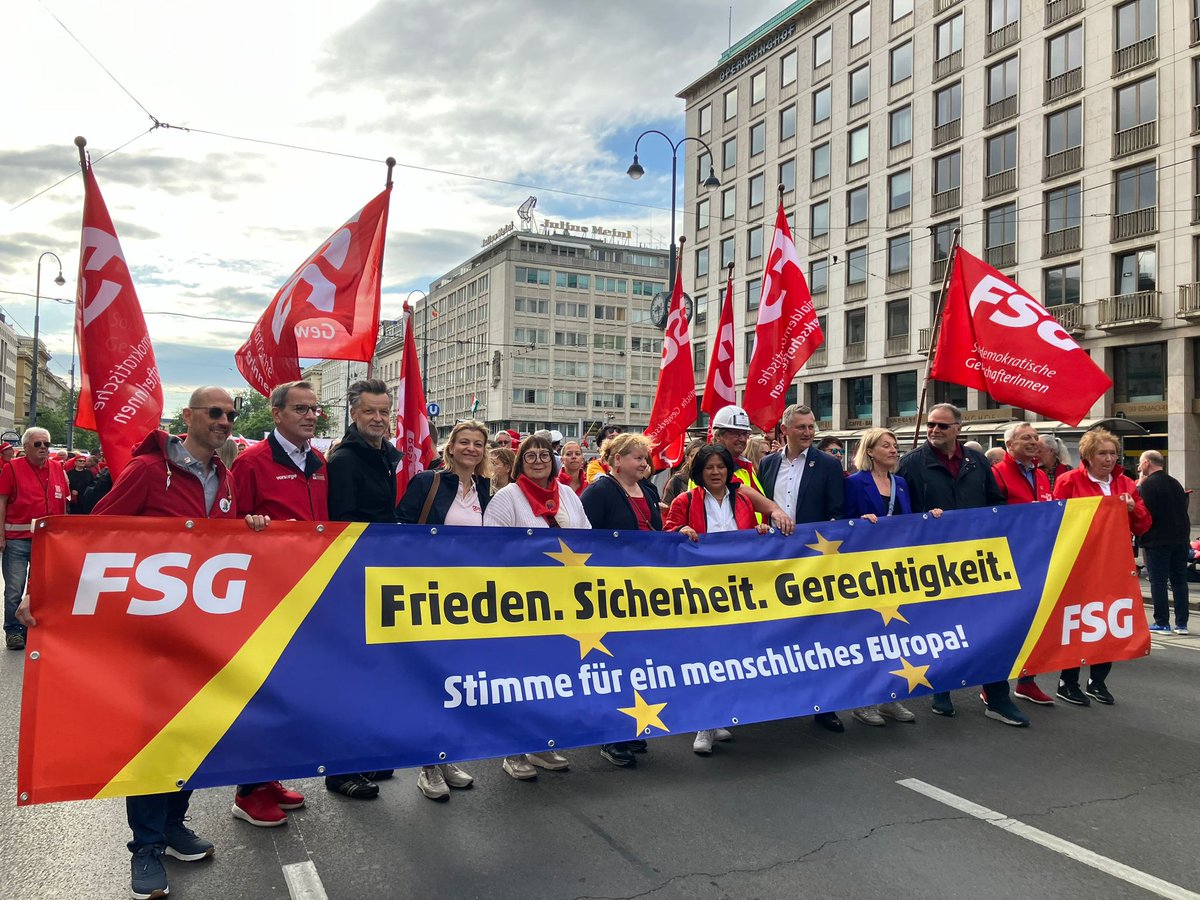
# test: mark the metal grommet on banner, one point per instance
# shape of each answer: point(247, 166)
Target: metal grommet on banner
point(1083, 662)
point(995, 509)
point(893, 695)
point(320, 770)
point(816, 709)
point(616, 534)
point(179, 782)
point(550, 744)
point(964, 684)
point(320, 529)
point(189, 524)
point(734, 720)
point(442, 755)
point(41, 523)
point(433, 531)
point(24, 796)
point(1062, 503)
point(925, 515)
point(1024, 672)
point(647, 731)
point(851, 523)
point(35, 655)
point(529, 531)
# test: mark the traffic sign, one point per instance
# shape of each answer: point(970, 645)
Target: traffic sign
point(433, 409)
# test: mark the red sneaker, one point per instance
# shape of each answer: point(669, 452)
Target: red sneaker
point(1028, 690)
point(284, 798)
point(259, 808)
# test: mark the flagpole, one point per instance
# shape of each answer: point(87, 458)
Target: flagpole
point(778, 436)
point(80, 142)
point(391, 164)
point(935, 329)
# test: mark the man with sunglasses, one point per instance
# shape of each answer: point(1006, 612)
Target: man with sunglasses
point(943, 474)
point(31, 487)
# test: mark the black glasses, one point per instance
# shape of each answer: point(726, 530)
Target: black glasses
point(536, 456)
point(302, 409)
point(216, 412)
point(41, 444)
point(940, 426)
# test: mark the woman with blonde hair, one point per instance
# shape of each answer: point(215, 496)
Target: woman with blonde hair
point(572, 473)
point(502, 463)
point(756, 449)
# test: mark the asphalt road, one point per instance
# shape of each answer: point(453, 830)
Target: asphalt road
point(786, 810)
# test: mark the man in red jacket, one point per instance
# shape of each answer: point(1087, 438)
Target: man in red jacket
point(282, 477)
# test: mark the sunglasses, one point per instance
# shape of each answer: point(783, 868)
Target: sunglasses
point(536, 456)
point(836, 451)
point(940, 426)
point(41, 444)
point(216, 412)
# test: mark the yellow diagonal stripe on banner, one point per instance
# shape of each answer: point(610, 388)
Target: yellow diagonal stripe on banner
point(1072, 531)
point(178, 750)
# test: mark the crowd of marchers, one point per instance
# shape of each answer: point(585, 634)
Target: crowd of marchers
point(732, 482)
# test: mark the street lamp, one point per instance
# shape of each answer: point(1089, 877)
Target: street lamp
point(37, 309)
point(635, 171)
point(424, 338)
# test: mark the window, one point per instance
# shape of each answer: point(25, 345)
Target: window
point(1001, 13)
point(700, 307)
point(699, 356)
point(729, 153)
point(758, 87)
point(901, 386)
point(702, 214)
point(758, 138)
point(729, 203)
point(901, 67)
point(947, 172)
point(1064, 130)
point(856, 266)
point(524, 365)
point(899, 190)
point(949, 37)
point(1135, 188)
point(757, 189)
point(859, 145)
point(822, 48)
point(1002, 152)
point(1136, 104)
point(1135, 22)
point(753, 294)
point(754, 243)
point(899, 254)
point(606, 312)
point(702, 262)
point(943, 237)
point(573, 310)
point(860, 84)
point(646, 345)
point(706, 118)
point(607, 371)
point(611, 285)
point(1064, 52)
point(787, 123)
point(608, 341)
point(1139, 373)
point(570, 339)
point(857, 203)
point(529, 395)
point(820, 161)
point(531, 336)
point(947, 104)
point(896, 324)
point(820, 219)
point(1063, 208)
point(787, 175)
point(1135, 271)
point(532, 276)
point(820, 395)
point(1061, 285)
point(730, 104)
point(821, 103)
point(1003, 80)
point(727, 250)
point(607, 401)
point(703, 164)
point(818, 276)
point(571, 280)
point(787, 69)
point(899, 127)
point(570, 398)
point(860, 25)
point(531, 305)
point(1000, 226)
point(901, 8)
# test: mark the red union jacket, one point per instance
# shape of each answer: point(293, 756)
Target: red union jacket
point(152, 485)
point(1015, 486)
point(269, 484)
point(1076, 483)
point(688, 509)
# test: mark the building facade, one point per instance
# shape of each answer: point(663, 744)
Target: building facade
point(330, 379)
point(8, 378)
point(50, 387)
point(541, 330)
point(1061, 136)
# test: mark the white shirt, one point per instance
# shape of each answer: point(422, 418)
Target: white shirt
point(787, 482)
point(509, 507)
point(298, 455)
point(465, 510)
point(719, 513)
point(1105, 486)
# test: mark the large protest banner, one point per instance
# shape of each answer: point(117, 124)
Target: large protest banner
point(174, 653)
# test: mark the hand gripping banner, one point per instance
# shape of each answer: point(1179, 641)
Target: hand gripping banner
point(172, 654)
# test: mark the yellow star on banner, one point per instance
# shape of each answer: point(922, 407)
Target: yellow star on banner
point(567, 556)
point(914, 675)
point(645, 714)
point(824, 547)
point(590, 642)
point(889, 613)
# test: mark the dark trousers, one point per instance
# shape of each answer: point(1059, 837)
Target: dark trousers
point(150, 815)
point(1097, 674)
point(1163, 564)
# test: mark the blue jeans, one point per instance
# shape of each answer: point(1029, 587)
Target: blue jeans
point(150, 815)
point(1163, 564)
point(16, 570)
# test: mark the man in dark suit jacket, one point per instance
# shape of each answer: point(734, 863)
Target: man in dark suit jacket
point(807, 484)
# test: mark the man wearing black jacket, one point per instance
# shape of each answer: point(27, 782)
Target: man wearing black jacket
point(943, 474)
point(1165, 545)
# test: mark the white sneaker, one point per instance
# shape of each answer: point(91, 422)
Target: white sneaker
point(703, 742)
point(455, 777)
point(431, 783)
point(896, 710)
point(722, 734)
point(869, 715)
point(548, 759)
point(518, 767)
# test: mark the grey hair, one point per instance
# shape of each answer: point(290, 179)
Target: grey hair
point(1011, 431)
point(950, 408)
point(796, 409)
point(1060, 449)
point(366, 386)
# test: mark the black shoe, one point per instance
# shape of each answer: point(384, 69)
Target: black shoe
point(831, 721)
point(1072, 694)
point(381, 775)
point(357, 786)
point(943, 704)
point(1100, 693)
point(638, 746)
point(14, 640)
point(618, 754)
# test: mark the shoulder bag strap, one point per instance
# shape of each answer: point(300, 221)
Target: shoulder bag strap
point(892, 498)
point(433, 489)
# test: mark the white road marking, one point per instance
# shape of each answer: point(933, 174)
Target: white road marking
point(1181, 642)
point(1051, 842)
point(303, 882)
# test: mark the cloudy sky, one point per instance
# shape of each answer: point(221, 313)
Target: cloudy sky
point(482, 104)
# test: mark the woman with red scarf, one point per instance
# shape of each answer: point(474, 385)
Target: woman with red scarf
point(535, 499)
point(572, 474)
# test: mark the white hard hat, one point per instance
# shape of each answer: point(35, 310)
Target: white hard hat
point(556, 437)
point(731, 418)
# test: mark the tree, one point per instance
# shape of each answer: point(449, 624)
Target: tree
point(54, 419)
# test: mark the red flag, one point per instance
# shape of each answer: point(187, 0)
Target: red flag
point(674, 406)
point(413, 439)
point(120, 392)
point(718, 389)
point(787, 332)
point(328, 309)
point(996, 338)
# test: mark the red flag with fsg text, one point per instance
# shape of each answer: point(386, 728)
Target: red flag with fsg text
point(413, 438)
point(996, 338)
point(718, 389)
point(787, 332)
point(674, 406)
point(328, 309)
point(120, 392)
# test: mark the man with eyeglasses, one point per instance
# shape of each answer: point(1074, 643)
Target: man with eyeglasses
point(31, 487)
point(943, 474)
point(282, 477)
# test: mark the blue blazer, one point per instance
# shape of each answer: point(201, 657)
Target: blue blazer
point(863, 497)
point(820, 497)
